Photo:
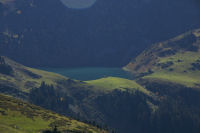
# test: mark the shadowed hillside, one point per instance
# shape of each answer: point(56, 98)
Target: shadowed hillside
point(162, 94)
point(78, 99)
point(125, 105)
point(46, 33)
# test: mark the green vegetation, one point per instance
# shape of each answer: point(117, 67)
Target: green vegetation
point(55, 130)
point(25, 78)
point(175, 78)
point(111, 83)
point(21, 117)
point(159, 99)
point(171, 71)
point(63, 95)
point(176, 61)
point(21, 79)
point(180, 72)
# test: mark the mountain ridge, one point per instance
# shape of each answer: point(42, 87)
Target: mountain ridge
point(46, 33)
point(174, 60)
point(162, 89)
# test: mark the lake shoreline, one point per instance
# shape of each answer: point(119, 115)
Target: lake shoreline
point(90, 73)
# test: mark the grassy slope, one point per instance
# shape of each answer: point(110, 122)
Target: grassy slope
point(83, 94)
point(20, 117)
point(24, 81)
point(180, 71)
point(111, 83)
point(25, 78)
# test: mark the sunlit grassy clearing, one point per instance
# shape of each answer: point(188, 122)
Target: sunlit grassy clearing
point(21, 123)
point(185, 60)
point(112, 83)
point(186, 80)
point(19, 117)
point(181, 72)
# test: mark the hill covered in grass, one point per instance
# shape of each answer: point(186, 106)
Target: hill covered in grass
point(176, 60)
point(109, 84)
point(24, 78)
point(138, 105)
point(18, 79)
point(17, 116)
point(82, 100)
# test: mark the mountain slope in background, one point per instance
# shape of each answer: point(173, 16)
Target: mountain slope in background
point(126, 105)
point(176, 60)
point(163, 97)
point(46, 33)
point(17, 116)
point(18, 79)
point(88, 101)
point(23, 79)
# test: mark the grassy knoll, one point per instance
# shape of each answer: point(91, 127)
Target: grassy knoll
point(112, 83)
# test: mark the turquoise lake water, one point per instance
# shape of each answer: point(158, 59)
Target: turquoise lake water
point(89, 73)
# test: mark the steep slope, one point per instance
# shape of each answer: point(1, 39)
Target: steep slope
point(78, 99)
point(46, 33)
point(125, 105)
point(17, 116)
point(25, 78)
point(111, 102)
point(18, 80)
point(170, 70)
point(176, 60)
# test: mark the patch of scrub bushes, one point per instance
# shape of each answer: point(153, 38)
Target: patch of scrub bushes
point(195, 66)
point(165, 65)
